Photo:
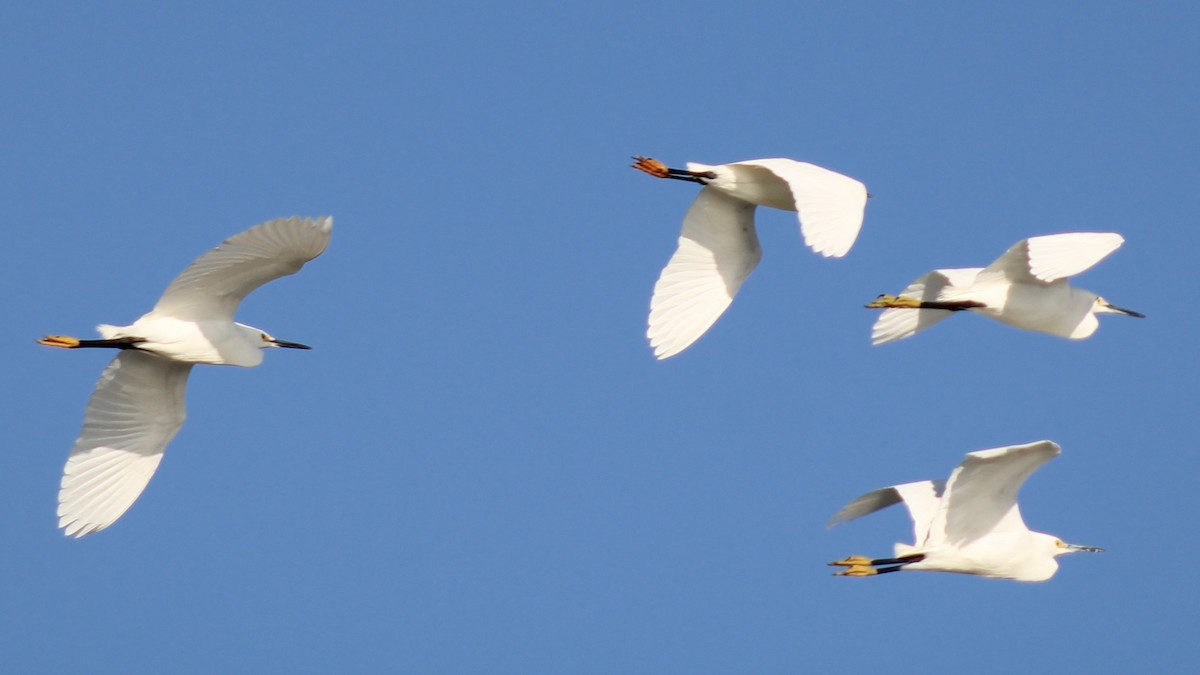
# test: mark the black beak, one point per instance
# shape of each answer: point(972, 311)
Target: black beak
point(1130, 312)
point(289, 345)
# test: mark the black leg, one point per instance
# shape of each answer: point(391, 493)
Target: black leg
point(116, 343)
point(67, 342)
point(952, 305)
point(901, 561)
point(694, 176)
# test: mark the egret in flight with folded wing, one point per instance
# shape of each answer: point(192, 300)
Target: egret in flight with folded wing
point(718, 247)
point(1026, 287)
point(138, 405)
point(969, 524)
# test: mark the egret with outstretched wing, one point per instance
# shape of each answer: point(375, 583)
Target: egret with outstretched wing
point(138, 405)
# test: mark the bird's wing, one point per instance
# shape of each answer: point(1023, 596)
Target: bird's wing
point(830, 205)
point(981, 494)
point(137, 408)
point(922, 499)
point(894, 324)
point(1053, 256)
point(213, 285)
point(718, 248)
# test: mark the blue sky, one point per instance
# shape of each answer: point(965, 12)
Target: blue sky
point(480, 467)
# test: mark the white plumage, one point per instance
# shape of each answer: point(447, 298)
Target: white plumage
point(970, 523)
point(138, 405)
point(1026, 287)
point(718, 246)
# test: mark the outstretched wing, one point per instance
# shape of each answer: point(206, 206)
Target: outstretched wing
point(894, 324)
point(214, 285)
point(981, 494)
point(921, 497)
point(137, 408)
point(830, 205)
point(1053, 256)
point(718, 248)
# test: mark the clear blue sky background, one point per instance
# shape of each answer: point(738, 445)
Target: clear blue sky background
point(480, 467)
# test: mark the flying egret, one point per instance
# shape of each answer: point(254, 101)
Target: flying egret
point(138, 405)
point(718, 247)
point(1026, 287)
point(969, 524)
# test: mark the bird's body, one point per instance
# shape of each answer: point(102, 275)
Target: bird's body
point(718, 246)
point(968, 524)
point(758, 181)
point(138, 405)
point(1056, 308)
point(1025, 288)
point(215, 342)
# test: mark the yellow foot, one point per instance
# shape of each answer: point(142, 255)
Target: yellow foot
point(891, 301)
point(63, 341)
point(852, 561)
point(651, 166)
point(857, 571)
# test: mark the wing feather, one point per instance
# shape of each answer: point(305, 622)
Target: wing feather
point(214, 285)
point(897, 323)
point(829, 205)
point(137, 408)
point(1054, 256)
point(718, 248)
point(981, 494)
point(921, 497)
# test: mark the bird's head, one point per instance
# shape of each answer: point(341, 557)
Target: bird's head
point(1037, 561)
point(1103, 306)
point(263, 340)
point(1061, 548)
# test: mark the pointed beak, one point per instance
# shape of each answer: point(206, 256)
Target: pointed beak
point(1122, 310)
point(1076, 548)
point(289, 345)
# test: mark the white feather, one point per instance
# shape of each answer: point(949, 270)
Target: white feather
point(1050, 257)
point(214, 285)
point(898, 323)
point(136, 409)
point(828, 204)
point(718, 248)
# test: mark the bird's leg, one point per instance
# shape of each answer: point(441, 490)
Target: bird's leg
point(852, 561)
point(862, 566)
point(659, 170)
point(857, 571)
point(901, 302)
point(902, 560)
point(68, 342)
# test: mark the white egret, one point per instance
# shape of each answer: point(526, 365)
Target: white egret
point(138, 405)
point(970, 524)
point(718, 247)
point(1026, 288)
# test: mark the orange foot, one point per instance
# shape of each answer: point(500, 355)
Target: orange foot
point(893, 301)
point(852, 561)
point(63, 341)
point(857, 571)
point(651, 166)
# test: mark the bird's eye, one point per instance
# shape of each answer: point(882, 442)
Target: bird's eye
point(265, 337)
point(1059, 543)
